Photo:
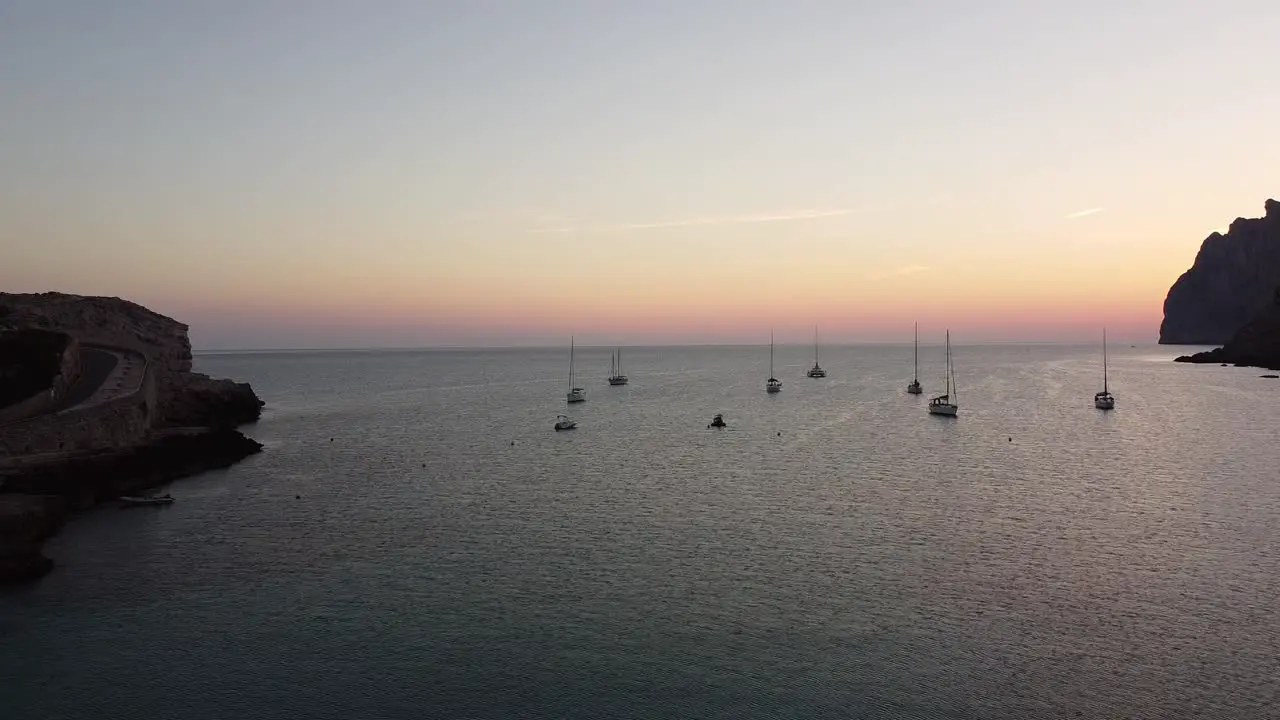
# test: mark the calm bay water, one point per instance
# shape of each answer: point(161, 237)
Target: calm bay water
point(448, 555)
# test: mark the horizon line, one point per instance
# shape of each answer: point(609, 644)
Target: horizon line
point(465, 348)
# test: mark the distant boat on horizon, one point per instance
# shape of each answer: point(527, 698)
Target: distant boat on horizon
point(1104, 400)
point(615, 371)
point(575, 394)
point(946, 404)
point(914, 388)
point(816, 371)
point(773, 384)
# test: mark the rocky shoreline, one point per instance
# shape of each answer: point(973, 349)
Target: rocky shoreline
point(40, 497)
point(1257, 344)
point(132, 430)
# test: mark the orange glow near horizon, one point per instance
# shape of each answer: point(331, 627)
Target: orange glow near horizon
point(521, 202)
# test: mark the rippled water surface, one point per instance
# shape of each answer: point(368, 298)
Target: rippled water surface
point(448, 555)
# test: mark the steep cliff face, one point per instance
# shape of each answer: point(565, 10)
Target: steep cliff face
point(1230, 282)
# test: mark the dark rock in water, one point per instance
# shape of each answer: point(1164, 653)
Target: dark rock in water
point(1233, 278)
point(202, 401)
point(25, 521)
point(1257, 344)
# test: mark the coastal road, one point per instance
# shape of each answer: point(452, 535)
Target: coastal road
point(95, 367)
point(105, 374)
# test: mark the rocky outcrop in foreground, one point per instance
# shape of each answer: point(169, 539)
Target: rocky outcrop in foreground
point(179, 423)
point(1257, 344)
point(1230, 282)
point(38, 498)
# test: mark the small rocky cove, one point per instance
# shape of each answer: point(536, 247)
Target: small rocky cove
point(118, 412)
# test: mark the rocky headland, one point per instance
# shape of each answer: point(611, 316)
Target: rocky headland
point(1257, 344)
point(100, 401)
point(1233, 280)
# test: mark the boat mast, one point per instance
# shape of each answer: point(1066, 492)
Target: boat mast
point(949, 364)
point(571, 362)
point(770, 354)
point(915, 372)
point(1104, 360)
point(815, 345)
point(951, 367)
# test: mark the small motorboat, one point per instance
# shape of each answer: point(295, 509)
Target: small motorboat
point(564, 422)
point(718, 422)
point(129, 500)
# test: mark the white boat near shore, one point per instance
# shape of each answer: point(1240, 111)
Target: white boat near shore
point(127, 500)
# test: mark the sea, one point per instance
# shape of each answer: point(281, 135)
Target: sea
point(417, 541)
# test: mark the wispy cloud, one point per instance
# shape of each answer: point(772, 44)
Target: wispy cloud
point(1084, 213)
point(702, 221)
point(898, 272)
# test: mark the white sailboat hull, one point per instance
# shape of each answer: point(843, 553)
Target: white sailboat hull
point(947, 409)
point(914, 388)
point(1104, 401)
point(576, 395)
point(773, 386)
point(618, 380)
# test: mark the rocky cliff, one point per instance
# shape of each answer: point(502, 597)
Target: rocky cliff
point(1229, 283)
point(163, 423)
point(1257, 344)
point(183, 397)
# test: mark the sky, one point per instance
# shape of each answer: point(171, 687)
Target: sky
point(334, 173)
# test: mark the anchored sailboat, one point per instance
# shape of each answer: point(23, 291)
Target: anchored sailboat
point(773, 384)
point(816, 371)
point(575, 394)
point(1104, 400)
point(914, 388)
point(615, 373)
point(946, 404)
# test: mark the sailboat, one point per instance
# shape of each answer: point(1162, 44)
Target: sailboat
point(1104, 400)
point(615, 373)
point(816, 371)
point(946, 404)
point(773, 384)
point(575, 394)
point(914, 388)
